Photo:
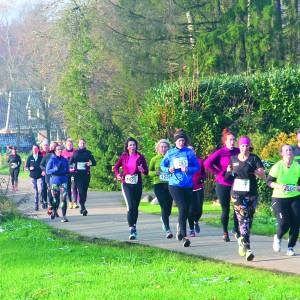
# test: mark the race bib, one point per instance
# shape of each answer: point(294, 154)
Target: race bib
point(72, 167)
point(164, 177)
point(13, 165)
point(131, 179)
point(180, 162)
point(81, 165)
point(290, 188)
point(241, 185)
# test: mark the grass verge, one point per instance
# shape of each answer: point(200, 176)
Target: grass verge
point(38, 262)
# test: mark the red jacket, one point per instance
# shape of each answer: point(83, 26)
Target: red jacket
point(122, 163)
point(199, 177)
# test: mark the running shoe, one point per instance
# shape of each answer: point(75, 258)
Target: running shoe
point(192, 233)
point(226, 237)
point(276, 244)
point(249, 255)
point(186, 242)
point(132, 233)
point(75, 205)
point(70, 205)
point(169, 234)
point(36, 208)
point(242, 248)
point(197, 227)
point(290, 251)
point(84, 212)
point(64, 220)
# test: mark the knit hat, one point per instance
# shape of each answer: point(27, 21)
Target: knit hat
point(180, 134)
point(244, 140)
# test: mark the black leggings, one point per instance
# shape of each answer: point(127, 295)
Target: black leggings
point(223, 194)
point(14, 174)
point(132, 194)
point(182, 198)
point(196, 207)
point(165, 201)
point(82, 182)
point(287, 212)
point(72, 192)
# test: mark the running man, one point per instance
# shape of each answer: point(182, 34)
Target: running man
point(33, 166)
point(83, 160)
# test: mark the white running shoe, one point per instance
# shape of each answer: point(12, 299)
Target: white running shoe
point(290, 252)
point(276, 244)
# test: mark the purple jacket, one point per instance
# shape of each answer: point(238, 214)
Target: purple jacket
point(218, 162)
point(122, 163)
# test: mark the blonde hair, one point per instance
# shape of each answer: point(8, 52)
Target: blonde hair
point(162, 141)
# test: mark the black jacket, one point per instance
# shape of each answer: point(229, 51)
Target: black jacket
point(43, 164)
point(14, 162)
point(31, 162)
point(81, 156)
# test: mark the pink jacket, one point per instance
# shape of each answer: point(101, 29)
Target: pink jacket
point(199, 177)
point(122, 163)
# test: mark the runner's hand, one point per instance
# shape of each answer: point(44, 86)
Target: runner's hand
point(171, 169)
point(184, 169)
point(31, 168)
point(43, 173)
point(141, 169)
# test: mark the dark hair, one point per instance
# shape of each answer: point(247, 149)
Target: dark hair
point(225, 133)
point(13, 148)
point(130, 139)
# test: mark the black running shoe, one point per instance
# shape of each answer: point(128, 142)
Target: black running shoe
point(84, 213)
point(226, 237)
point(186, 242)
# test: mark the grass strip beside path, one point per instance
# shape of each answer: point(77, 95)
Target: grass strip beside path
point(38, 262)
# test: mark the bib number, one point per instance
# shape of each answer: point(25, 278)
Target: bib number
point(180, 162)
point(164, 177)
point(290, 188)
point(13, 165)
point(131, 179)
point(241, 185)
point(81, 165)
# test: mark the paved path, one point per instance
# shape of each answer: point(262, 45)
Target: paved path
point(107, 219)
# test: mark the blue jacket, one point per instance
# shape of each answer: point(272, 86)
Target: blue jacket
point(176, 157)
point(58, 168)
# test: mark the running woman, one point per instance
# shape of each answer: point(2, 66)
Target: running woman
point(72, 189)
point(181, 164)
point(14, 162)
point(217, 164)
point(33, 166)
point(43, 166)
point(160, 184)
point(133, 164)
point(296, 148)
point(284, 178)
point(82, 159)
point(196, 207)
point(58, 169)
point(243, 169)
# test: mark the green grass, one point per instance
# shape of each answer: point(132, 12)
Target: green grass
point(38, 262)
point(208, 208)
point(264, 223)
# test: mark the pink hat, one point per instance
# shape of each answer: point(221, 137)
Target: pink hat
point(244, 140)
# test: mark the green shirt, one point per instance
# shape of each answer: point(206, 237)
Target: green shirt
point(285, 175)
point(154, 167)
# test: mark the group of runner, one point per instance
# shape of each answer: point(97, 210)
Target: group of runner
point(60, 175)
point(178, 174)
